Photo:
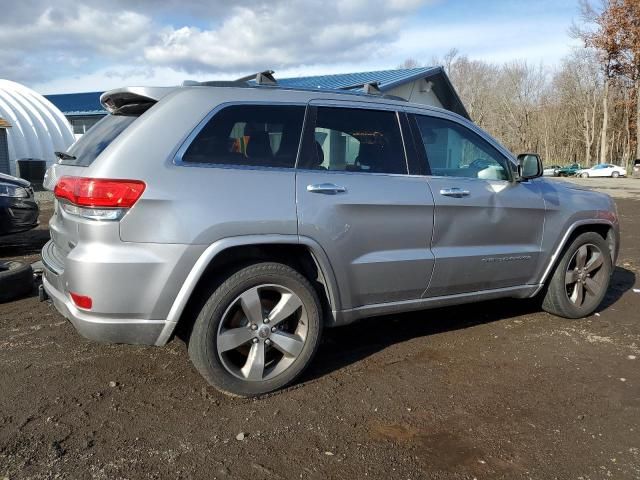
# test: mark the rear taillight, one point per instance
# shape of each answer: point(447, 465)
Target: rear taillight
point(81, 301)
point(98, 198)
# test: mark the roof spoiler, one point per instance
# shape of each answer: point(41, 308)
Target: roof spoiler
point(132, 100)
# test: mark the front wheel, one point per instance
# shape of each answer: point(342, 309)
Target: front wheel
point(615, 174)
point(581, 278)
point(258, 331)
point(584, 175)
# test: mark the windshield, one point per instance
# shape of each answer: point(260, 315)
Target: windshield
point(93, 143)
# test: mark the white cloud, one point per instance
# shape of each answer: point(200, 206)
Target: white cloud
point(94, 45)
point(284, 35)
point(524, 38)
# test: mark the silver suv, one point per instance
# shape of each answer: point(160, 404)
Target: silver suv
point(248, 217)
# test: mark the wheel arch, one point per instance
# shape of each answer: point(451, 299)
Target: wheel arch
point(603, 227)
point(301, 253)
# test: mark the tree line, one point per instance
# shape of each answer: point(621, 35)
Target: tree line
point(584, 110)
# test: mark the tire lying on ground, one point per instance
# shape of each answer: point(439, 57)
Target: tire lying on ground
point(16, 279)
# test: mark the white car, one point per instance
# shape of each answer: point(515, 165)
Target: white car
point(551, 171)
point(602, 170)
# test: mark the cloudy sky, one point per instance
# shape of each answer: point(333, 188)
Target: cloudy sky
point(89, 45)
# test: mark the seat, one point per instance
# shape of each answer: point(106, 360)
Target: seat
point(319, 158)
point(259, 146)
point(370, 157)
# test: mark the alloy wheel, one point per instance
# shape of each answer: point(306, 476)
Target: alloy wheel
point(584, 278)
point(262, 332)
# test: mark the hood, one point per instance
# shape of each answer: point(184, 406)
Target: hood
point(563, 184)
point(4, 178)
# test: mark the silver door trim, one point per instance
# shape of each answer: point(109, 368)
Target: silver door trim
point(345, 317)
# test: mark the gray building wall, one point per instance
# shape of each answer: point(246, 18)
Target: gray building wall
point(418, 91)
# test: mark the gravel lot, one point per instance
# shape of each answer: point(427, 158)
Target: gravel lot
point(495, 390)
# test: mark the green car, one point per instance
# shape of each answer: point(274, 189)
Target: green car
point(569, 170)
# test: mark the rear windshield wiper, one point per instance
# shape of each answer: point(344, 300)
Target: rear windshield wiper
point(65, 156)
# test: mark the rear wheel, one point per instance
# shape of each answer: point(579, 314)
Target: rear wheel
point(581, 278)
point(615, 174)
point(258, 331)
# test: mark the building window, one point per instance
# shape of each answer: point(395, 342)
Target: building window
point(82, 124)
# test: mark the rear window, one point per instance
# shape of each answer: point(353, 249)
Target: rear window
point(97, 138)
point(249, 135)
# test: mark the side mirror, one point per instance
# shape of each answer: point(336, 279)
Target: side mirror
point(529, 166)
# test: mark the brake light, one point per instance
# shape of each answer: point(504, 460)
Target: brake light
point(99, 192)
point(81, 301)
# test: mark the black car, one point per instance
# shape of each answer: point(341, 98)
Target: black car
point(18, 207)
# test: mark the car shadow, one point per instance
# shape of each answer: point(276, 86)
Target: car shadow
point(622, 280)
point(352, 343)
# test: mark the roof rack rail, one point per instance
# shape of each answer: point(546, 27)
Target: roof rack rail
point(223, 83)
point(261, 78)
point(371, 88)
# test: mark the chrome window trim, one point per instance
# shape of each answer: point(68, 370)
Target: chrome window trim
point(404, 145)
point(186, 143)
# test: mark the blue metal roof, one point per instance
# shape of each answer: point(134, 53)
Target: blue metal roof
point(387, 79)
point(78, 104)
point(87, 103)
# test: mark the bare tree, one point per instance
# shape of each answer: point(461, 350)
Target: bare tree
point(409, 63)
point(600, 30)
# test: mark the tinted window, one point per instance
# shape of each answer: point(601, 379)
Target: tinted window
point(356, 140)
point(454, 150)
point(251, 135)
point(93, 143)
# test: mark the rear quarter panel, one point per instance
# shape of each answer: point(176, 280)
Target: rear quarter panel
point(195, 204)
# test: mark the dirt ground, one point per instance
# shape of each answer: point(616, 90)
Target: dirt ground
point(493, 390)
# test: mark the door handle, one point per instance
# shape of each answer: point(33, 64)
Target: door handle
point(326, 188)
point(454, 192)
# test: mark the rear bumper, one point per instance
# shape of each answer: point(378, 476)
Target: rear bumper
point(132, 288)
point(100, 329)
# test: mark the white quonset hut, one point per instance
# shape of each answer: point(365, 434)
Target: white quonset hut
point(31, 127)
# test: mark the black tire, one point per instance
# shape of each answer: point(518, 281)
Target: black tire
point(16, 280)
point(557, 299)
point(584, 175)
point(203, 341)
point(615, 175)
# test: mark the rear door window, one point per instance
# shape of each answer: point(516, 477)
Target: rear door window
point(249, 135)
point(93, 143)
point(357, 140)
